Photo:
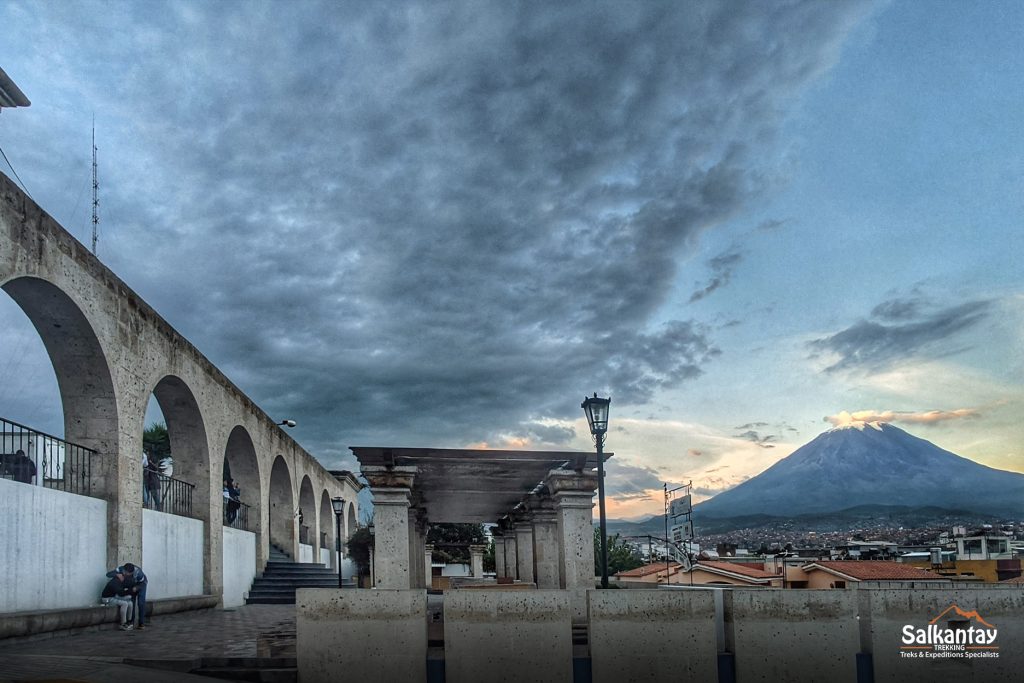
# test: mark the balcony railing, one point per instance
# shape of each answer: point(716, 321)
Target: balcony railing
point(45, 460)
point(173, 496)
point(237, 518)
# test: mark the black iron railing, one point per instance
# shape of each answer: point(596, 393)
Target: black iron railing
point(33, 457)
point(171, 495)
point(236, 517)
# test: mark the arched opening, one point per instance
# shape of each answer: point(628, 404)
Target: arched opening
point(82, 457)
point(351, 523)
point(307, 521)
point(282, 510)
point(180, 461)
point(243, 507)
point(327, 553)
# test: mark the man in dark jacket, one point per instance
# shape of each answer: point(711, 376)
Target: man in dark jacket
point(139, 582)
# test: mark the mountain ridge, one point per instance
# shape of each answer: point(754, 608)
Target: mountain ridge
point(877, 464)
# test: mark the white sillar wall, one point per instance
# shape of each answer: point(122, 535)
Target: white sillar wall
point(172, 555)
point(305, 553)
point(53, 548)
point(239, 565)
point(325, 557)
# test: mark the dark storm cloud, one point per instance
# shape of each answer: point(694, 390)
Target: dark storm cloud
point(762, 440)
point(722, 267)
point(901, 330)
point(630, 482)
point(418, 224)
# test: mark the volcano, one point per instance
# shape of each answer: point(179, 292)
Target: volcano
point(870, 464)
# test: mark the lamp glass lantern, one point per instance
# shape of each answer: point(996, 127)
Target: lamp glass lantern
point(597, 413)
point(338, 504)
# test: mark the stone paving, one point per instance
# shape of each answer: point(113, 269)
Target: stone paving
point(250, 631)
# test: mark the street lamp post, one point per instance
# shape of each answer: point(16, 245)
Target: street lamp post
point(339, 509)
point(597, 417)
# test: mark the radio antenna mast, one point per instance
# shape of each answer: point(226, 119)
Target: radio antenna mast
point(95, 189)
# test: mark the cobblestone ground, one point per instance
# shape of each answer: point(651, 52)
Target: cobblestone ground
point(243, 632)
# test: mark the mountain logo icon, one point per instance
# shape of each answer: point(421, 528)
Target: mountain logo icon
point(973, 614)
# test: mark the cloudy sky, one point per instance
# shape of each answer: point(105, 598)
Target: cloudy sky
point(442, 224)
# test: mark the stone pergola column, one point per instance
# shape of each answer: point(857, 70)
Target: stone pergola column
point(545, 543)
point(476, 560)
point(391, 488)
point(499, 553)
point(428, 565)
point(524, 548)
point(573, 493)
point(511, 569)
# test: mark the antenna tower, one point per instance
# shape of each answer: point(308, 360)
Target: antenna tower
point(95, 189)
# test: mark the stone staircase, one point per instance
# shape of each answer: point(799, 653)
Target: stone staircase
point(281, 577)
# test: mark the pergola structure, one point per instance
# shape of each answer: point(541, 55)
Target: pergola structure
point(542, 502)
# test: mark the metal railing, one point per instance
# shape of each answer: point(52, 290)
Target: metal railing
point(237, 518)
point(173, 496)
point(44, 460)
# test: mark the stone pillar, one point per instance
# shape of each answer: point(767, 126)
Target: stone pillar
point(573, 493)
point(511, 563)
point(499, 553)
point(428, 565)
point(415, 550)
point(545, 543)
point(524, 549)
point(391, 489)
point(476, 560)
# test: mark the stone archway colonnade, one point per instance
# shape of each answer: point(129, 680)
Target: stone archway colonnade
point(110, 352)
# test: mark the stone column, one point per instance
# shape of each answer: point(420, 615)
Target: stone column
point(415, 550)
point(476, 560)
point(428, 565)
point(545, 543)
point(524, 548)
point(391, 489)
point(573, 493)
point(499, 553)
point(511, 563)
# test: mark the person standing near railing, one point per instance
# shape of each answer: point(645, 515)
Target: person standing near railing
point(23, 468)
point(139, 581)
point(151, 481)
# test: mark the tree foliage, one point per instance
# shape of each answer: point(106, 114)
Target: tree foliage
point(358, 549)
point(621, 555)
point(156, 442)
point(452, 541)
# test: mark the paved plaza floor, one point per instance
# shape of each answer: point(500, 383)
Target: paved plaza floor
point(173, 642)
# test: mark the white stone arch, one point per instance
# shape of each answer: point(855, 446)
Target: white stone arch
point(88, 397)
point(240, 456)
point(186, 430)
point(281, 509)
point(310, 513)
point(327, 529)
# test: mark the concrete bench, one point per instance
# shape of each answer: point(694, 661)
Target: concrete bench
point(71, 619)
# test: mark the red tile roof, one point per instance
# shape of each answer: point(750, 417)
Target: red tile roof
point(738, 568)
point(1016, 579)
point(645, 570)
point(875, 570)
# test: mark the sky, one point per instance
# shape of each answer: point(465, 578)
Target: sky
point(444, 224)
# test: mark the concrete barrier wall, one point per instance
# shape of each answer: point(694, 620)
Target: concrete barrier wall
point(305, 553)
point(652, 636)
point(361, 635)
point(53, 548)
point(172, 555)
point(514, 636)
point(239, 563)
point(792, 635)
point(891, 609)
